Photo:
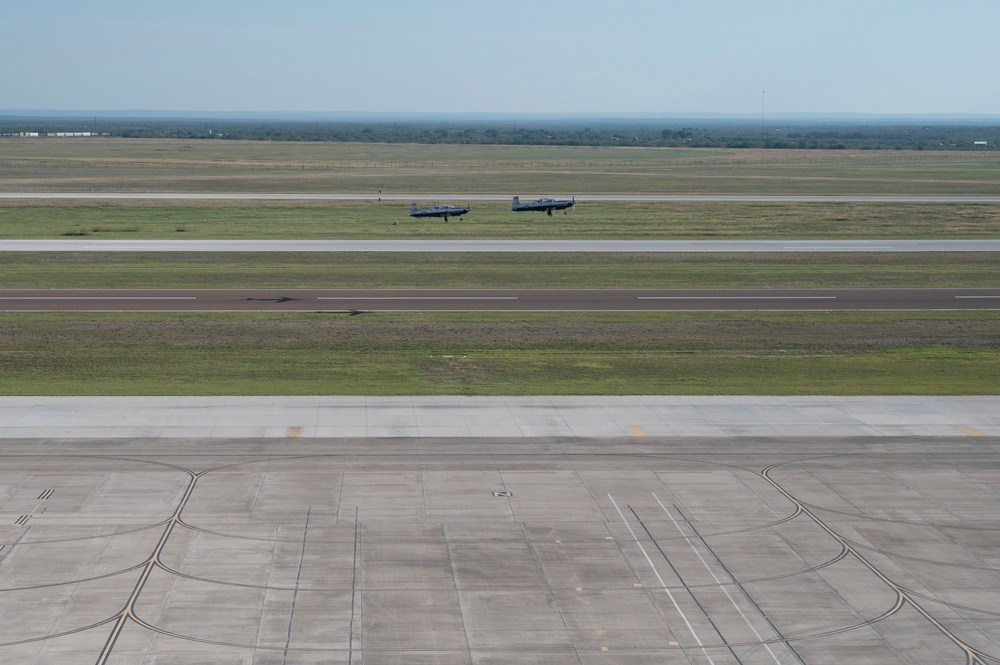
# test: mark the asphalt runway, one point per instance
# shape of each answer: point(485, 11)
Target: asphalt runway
point(630, 551)
point(495, 300)
point(727, 246)
point(379, 196)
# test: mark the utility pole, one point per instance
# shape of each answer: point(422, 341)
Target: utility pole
point(763, 122)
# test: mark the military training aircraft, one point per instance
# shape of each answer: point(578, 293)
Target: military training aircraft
point(548, 205)
point(441, 210)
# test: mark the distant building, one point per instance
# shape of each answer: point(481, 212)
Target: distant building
point(980, 143)
point(54, 134)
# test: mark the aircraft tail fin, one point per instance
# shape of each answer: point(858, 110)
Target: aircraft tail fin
point(516, 202)
point(413, 208)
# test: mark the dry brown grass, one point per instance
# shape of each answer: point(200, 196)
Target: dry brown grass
point(201, 166)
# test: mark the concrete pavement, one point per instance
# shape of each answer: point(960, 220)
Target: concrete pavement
point(317, 416)
point(486, 530)
point(458, 551)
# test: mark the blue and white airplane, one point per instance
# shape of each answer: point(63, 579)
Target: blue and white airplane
point(541, 205)
point(441, 210)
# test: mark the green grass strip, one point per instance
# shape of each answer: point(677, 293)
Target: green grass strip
point(262, 220)
point(496, 270)
point(886, 353)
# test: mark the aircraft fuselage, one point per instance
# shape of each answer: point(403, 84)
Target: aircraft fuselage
point(542, 205)
point(445, 211)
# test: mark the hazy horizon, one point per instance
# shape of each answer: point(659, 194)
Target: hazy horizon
point(893, 57)
point(486, 117)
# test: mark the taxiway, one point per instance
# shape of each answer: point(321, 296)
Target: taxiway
point(356, 301)
point(616, 246)
point(379, 196)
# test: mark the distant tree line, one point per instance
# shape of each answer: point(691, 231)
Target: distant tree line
point(638, 134)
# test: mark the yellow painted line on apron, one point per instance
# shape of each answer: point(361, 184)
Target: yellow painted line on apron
point(971, 431)
point(636, 430)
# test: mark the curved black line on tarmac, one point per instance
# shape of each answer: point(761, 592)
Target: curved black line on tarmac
point(946, 603)
point(935, 562)
point(101, 535)
point(96, 457)
point(190, 638)
point(956, 524)
point(800, 637)
point(63, 634)
point(972, 656)
point(263, 587)
point(79, 581)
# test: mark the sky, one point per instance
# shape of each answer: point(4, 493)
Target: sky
point(515, 56)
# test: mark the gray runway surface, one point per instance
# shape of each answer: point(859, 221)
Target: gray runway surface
point(630, 551)
point(89, 245)
point(378, 196)
point(283, 417)
point(357, 301)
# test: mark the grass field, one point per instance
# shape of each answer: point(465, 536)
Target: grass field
point(529, 354)
point(383, 354)
point(259, 166)
point(495, 270)
point(181, 220)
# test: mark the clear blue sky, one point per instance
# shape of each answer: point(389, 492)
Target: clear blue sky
point(530, 56)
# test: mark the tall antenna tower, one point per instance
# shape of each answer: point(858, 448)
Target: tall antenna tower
point(763, 122)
